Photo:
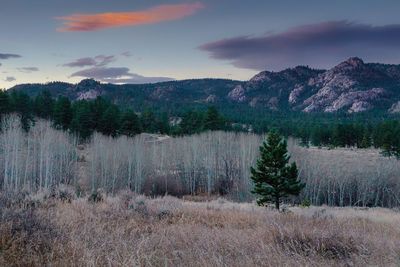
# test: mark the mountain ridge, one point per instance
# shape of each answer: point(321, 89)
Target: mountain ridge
point(352, 86)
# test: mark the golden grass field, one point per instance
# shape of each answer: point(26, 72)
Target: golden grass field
point(132, 230)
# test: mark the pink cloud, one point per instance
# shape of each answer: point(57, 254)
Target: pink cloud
point(93, 22)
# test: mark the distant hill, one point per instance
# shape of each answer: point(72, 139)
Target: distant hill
point(352, 86)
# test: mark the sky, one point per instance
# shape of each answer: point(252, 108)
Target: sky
point(142, 41)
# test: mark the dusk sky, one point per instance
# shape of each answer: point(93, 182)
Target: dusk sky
point(140, 41)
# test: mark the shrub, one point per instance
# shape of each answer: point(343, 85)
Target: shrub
point(26, 238)
point(306, 203)
point(223, 186)
point(164, 214)
point(138, 204)
point(329, 246)
point(96, 196)
point(63, 193)
point(321, 214)
point(164, 185)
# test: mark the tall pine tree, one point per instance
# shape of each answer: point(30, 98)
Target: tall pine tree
point(273, 177)
point(5, 106)
point(62, 114)
point(130, 123)
point(22, 104)
point(43, 105)
point(148, 121)
point(109, 121)
point(213, 120)
point(82, 122)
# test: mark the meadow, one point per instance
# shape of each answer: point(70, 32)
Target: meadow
point(59, 229)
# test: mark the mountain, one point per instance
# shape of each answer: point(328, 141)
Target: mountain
point(352, 86)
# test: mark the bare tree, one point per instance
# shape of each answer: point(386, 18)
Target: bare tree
point(211, 162)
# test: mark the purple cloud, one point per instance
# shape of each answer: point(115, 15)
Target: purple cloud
point(318, 45)
point(81, 62)
point(101, 73)
point(126, 54)
point(10, 79)
point(28, 69)
point(104, 60)
point(117, 75)
point(8, 56)
point(100, 60)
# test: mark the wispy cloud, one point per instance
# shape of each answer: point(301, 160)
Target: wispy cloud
point(81, 62)
point(10, 79)
point(28, 69)
point(93, 22)
point(98, 70)
point(100, 60)
point(318, 45)
point(126, 54)
point(8, 56)
point(117, 75)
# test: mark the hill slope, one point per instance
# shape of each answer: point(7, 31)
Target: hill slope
point(352, 86)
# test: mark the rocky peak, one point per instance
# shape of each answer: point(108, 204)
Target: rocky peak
point(88, 83)
point(290, 75)
point(261, 77)
point(355, 62)
point(299, 74)
point(87, 89)
point(350, 64)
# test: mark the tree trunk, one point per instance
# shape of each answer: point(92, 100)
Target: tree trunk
point(277, 203)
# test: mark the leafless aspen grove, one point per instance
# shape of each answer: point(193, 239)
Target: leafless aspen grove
point(209, 163)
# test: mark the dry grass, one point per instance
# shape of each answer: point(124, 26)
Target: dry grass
point(131, 230)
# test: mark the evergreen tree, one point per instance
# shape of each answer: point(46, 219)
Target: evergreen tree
point(340, 135)
point(22, 104)
point(390, 140)
point(148, 121)
point(163, 123)
point(304, 137)
point(130, 124)
point(109, 122)
point(366, 140)
point(82, 122)
point(213, 121)
point(62, 113)
point(322, 135)
point(43, 105)
point(5, 106)
point(361, 133)
point(192, 122)
point(273, 177)
point(98, 107)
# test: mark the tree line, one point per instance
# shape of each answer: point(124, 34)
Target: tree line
point(83, 117)
point(337, 130)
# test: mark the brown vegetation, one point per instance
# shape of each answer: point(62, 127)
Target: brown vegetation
point(57, 228)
